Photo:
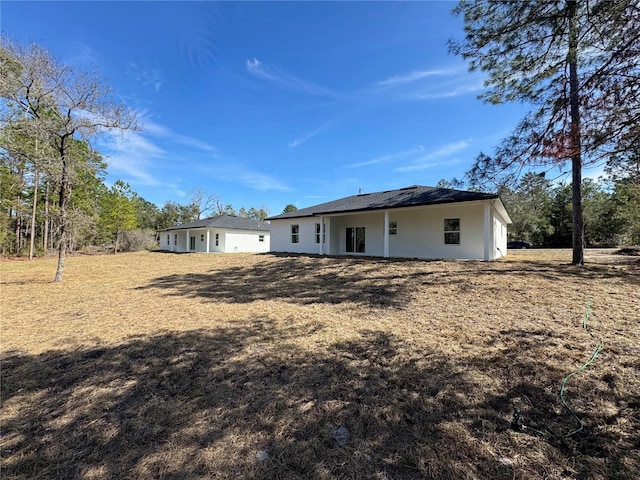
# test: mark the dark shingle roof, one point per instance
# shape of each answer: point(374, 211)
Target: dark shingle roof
point(224, 221)
point(413, 196)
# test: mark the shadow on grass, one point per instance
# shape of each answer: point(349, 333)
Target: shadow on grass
point(298, 279)
point(232, 403)
point(375, 282)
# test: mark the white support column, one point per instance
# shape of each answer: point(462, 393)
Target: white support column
point(208, 239)
point(487, 231)
point(321, 236)
point(186, 247)
point(386, 234)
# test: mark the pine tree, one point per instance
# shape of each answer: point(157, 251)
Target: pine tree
point(576, 64)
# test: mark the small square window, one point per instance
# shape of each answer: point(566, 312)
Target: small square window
point(452, 231)
point(261, 238)
point(393, 228)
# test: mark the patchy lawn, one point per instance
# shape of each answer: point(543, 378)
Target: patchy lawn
point(156, 365)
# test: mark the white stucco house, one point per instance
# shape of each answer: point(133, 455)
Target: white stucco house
point(412, 222)
point(222, 234)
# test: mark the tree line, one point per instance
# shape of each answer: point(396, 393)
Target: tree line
point(575, 63)
point(53, 194)
point(542, 211)
point(101, 217)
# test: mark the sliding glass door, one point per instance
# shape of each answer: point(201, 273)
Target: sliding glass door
point(355, 240)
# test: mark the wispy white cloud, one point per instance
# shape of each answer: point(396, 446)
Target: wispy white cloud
point(136, 155)
point(132, 155)
point(283, 80)
point(163, 132)
point(472, 87)
point(428, 84)
point(309, 135)
point(259, 181)
point(391, 157)
point(399, 80)
point(296, 142)
point(416, 85)
point(436, 157)
point(422, 165)
point(83, 54)
point(148, 76)
point(239, 173)
point(415, 158)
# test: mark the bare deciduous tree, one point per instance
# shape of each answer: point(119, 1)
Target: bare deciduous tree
point(203, 202)
point(68, 104)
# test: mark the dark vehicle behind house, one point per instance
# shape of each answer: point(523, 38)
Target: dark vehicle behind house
point(519, 244)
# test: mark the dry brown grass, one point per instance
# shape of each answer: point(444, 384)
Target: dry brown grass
point(155, 365)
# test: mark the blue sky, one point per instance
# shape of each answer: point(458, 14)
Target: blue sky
point(266, 104)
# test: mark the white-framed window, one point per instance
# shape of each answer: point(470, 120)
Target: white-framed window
point(168, 239)
point(202, 237)
point(295, 233)
point(318, 233)
point(217, 239)
point(452, 231)
point(175, 239)
point(355, 240)
point(393, 228)
point(261, 238)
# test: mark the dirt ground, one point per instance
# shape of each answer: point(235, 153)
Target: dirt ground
point(158, 365)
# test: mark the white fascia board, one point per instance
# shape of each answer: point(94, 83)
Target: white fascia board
point(499, 206)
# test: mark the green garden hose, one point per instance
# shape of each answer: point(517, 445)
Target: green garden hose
point(517, 421)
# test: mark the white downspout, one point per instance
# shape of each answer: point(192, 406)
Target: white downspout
point(487, 231)
point(321, 236)
point(208, 239)
point(386, 234)
point(188, 241)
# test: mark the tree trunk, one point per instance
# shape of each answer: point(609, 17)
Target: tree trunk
point(18, 224)
point(574, 138)
point(32, 243)
point(45, 239)
point(18, 227)
point(64, 197)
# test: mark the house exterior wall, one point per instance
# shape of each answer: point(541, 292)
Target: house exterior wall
point(201, 239)
point(181, 245)
point(499, 244)
point(420, 232)
point(212, 240)
point(373, 224)
point(281, 235)
point(246, 241)
point(165, 241)
point(228, 240)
